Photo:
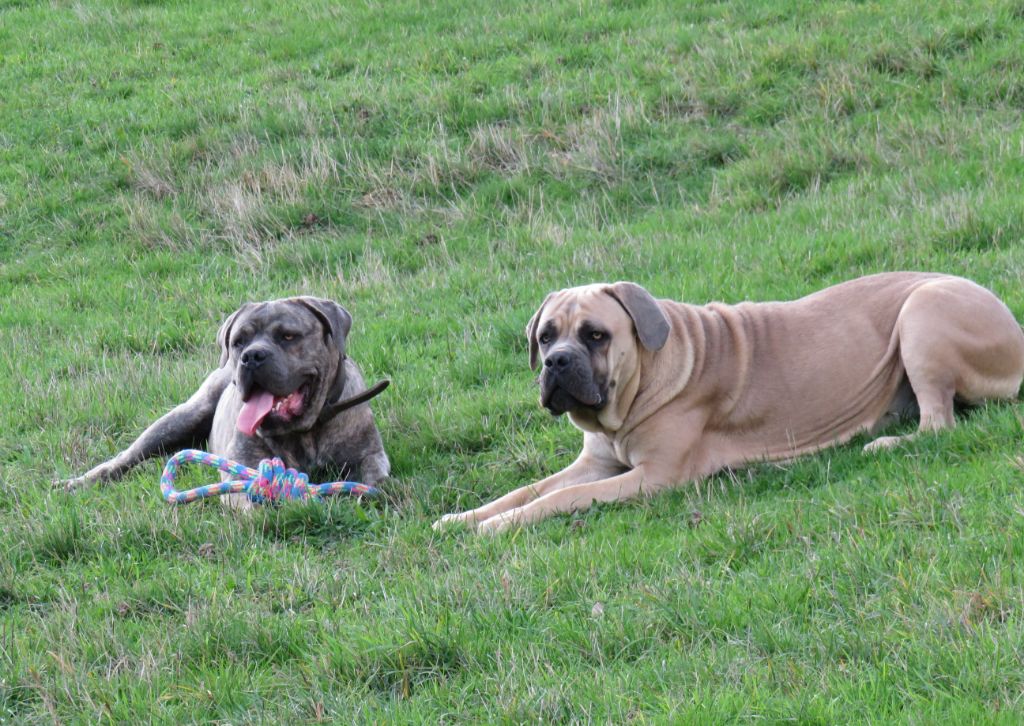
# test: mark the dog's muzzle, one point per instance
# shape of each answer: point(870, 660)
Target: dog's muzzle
point(253, 357)
point(567, 382)
point(251, 372)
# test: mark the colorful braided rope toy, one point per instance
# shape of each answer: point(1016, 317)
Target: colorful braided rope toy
point(271, 482)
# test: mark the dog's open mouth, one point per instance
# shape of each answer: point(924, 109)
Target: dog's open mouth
point(262, 404)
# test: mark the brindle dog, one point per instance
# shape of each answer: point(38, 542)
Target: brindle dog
point(285, 387)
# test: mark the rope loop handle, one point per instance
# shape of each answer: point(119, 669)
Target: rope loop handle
point(271, 482)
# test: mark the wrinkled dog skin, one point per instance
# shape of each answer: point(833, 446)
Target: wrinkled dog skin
point(283, 371)
point(667, 392)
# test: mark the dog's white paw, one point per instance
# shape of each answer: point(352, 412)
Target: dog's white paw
point(96, 476)
point(454, 520)
point(238, 502)
point(497, 524)
point(70, 485)
point(884, 443)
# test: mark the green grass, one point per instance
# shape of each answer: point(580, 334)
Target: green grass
point(438, 167)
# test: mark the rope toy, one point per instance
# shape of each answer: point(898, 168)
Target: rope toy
point(271, 482)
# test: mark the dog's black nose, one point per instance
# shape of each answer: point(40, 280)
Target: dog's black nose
point(253, 357)
point(558, 361)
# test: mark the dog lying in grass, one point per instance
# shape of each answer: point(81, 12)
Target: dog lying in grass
point(284, 388)
point(667, 392)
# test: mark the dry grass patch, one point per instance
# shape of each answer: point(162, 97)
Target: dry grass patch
point(240, 198)
point(500, 148)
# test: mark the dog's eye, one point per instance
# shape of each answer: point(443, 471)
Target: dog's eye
point(545, 338)
point(596, 335)
point(289, 337)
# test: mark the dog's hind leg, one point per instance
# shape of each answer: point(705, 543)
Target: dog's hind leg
point(957, 340)
point(903, 407)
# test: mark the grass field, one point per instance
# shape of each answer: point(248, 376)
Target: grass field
point(437, 167)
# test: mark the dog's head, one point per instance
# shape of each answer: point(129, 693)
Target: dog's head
point(588, 340)
point(287, 358)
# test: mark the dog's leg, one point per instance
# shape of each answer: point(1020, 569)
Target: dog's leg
point(956, 340)
point(571, 499)
point(936, 403)
point(374, 467)
point(185, 424)
point(586, 468)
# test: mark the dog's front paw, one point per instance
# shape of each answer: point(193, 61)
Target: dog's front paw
point(101, 474)
point(78, 482)
point(453, 520)
point(238, 502)
point(497, 524)
point(70, 485)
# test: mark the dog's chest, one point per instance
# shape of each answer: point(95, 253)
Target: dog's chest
point(608, 447)
point(299, 450)
point(621, 451)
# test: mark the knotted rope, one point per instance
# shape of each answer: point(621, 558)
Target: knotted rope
point(271, 482)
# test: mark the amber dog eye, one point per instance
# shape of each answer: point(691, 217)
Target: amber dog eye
point(288, 337)
point(545, 338)
point(597, 335)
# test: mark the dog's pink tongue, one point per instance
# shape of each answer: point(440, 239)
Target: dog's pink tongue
point(254, 411)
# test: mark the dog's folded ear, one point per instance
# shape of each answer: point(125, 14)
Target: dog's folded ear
point(336, 320)
point(224, 334)
point(531, 333)
point(652, 327)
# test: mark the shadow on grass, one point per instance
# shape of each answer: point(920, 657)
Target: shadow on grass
point(408, 659)
point(63, 538)
point(317, 522)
